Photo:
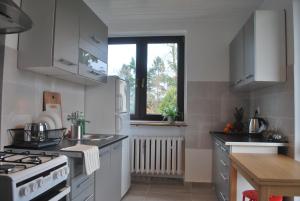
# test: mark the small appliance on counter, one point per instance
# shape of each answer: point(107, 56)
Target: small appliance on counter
point(257, 125)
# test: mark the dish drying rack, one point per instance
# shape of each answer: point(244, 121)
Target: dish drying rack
point(52, 137)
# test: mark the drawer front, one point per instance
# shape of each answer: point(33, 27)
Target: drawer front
point(85, 196)
point(222, 188)
point(221, 170)
point(82, 185)
point(221, 196)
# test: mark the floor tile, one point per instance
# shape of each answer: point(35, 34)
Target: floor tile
point(170, 192)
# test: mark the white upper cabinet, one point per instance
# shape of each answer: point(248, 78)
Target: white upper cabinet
point(237, 58)
point(66, 35)
point(258, 52)
point(54, 45)
point(92, 45)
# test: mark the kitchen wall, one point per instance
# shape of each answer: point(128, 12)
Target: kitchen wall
point(277, 102)
point(22, 93)
point(209, 103)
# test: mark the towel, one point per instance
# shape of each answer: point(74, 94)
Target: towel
point(90, 156)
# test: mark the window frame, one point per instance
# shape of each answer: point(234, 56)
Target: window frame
point(141, 73)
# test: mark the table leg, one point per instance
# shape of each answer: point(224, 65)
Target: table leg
point(263, 194)
point(233, 182)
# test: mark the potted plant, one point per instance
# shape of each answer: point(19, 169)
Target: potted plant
point(170, 113)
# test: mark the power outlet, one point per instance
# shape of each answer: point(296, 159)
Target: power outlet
point(258, 110)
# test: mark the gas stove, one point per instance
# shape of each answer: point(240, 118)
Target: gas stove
point(28, 176)
point(13, 162)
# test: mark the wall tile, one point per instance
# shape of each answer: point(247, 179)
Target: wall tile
point(276, 104)
point(210, 105)
point(22, 95)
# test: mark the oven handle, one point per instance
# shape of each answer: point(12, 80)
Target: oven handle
point(63, 192)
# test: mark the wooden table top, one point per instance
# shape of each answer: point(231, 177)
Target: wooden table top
point(268, 167)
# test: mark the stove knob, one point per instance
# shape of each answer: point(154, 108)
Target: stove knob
point(67, 171)
point(62, 173)
point(33, 187)
point(24, 191)
point(56, 175)
point(40, 183)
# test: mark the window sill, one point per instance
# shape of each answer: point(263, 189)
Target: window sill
point(158, 123)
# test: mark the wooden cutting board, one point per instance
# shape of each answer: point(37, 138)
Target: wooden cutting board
point(52, 102)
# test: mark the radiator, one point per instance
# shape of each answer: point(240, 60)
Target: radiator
point(157, 155)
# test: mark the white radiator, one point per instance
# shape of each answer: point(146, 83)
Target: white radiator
point(157, 155)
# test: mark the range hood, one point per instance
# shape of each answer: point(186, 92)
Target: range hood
point(12, 18)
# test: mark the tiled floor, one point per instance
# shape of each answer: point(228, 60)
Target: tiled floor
point(169, 192)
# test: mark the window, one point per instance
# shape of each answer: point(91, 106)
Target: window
point(154, 68)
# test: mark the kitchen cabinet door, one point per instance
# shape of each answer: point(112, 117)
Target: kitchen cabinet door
point(102, 177)
point(93, 45)
point(237, 58)
point(93, 33)
point(115, 171)
point(126, 174)
point(66, 35)
point(249, 49)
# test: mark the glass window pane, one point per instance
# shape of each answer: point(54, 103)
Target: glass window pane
point(161, 77)
point(122, 62)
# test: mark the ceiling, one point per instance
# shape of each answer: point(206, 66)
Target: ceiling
point(113, 10)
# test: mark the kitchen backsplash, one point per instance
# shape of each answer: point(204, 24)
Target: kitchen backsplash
point(210, 105)
point(22, 95)
point(276, 104)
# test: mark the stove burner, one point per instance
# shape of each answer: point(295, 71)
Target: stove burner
point(2, 155)
point(7, 168)
point(35, 159)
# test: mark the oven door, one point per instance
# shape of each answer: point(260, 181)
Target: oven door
point(57, 193)
point(61, 194)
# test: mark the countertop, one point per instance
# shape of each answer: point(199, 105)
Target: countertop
point(268, 167)
point(245, 140)
point(269, 174)
point(68, 143)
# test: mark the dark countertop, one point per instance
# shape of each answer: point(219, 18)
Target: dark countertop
point(245, 139)
point(68, 143)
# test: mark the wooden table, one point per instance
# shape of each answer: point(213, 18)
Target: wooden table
point(269, 174)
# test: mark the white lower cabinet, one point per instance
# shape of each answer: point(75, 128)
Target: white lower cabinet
point(108, 177)
point(126, 174)
point(115, 171)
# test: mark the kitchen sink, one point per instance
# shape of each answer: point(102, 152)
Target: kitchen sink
point(95, 137)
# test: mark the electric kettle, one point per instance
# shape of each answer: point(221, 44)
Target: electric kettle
point(257, 125)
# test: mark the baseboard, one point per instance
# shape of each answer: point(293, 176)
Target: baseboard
point(156, 179)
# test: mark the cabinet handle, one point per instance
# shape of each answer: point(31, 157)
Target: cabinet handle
point(94, 72)
point(223, 149)
point(94, 38)
point(223, 177)
point(66, 62)
point(239, 81)
point(88, 197)
point(78, 186)
point(223, 197)
point(223, 163)
point(249, 76)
